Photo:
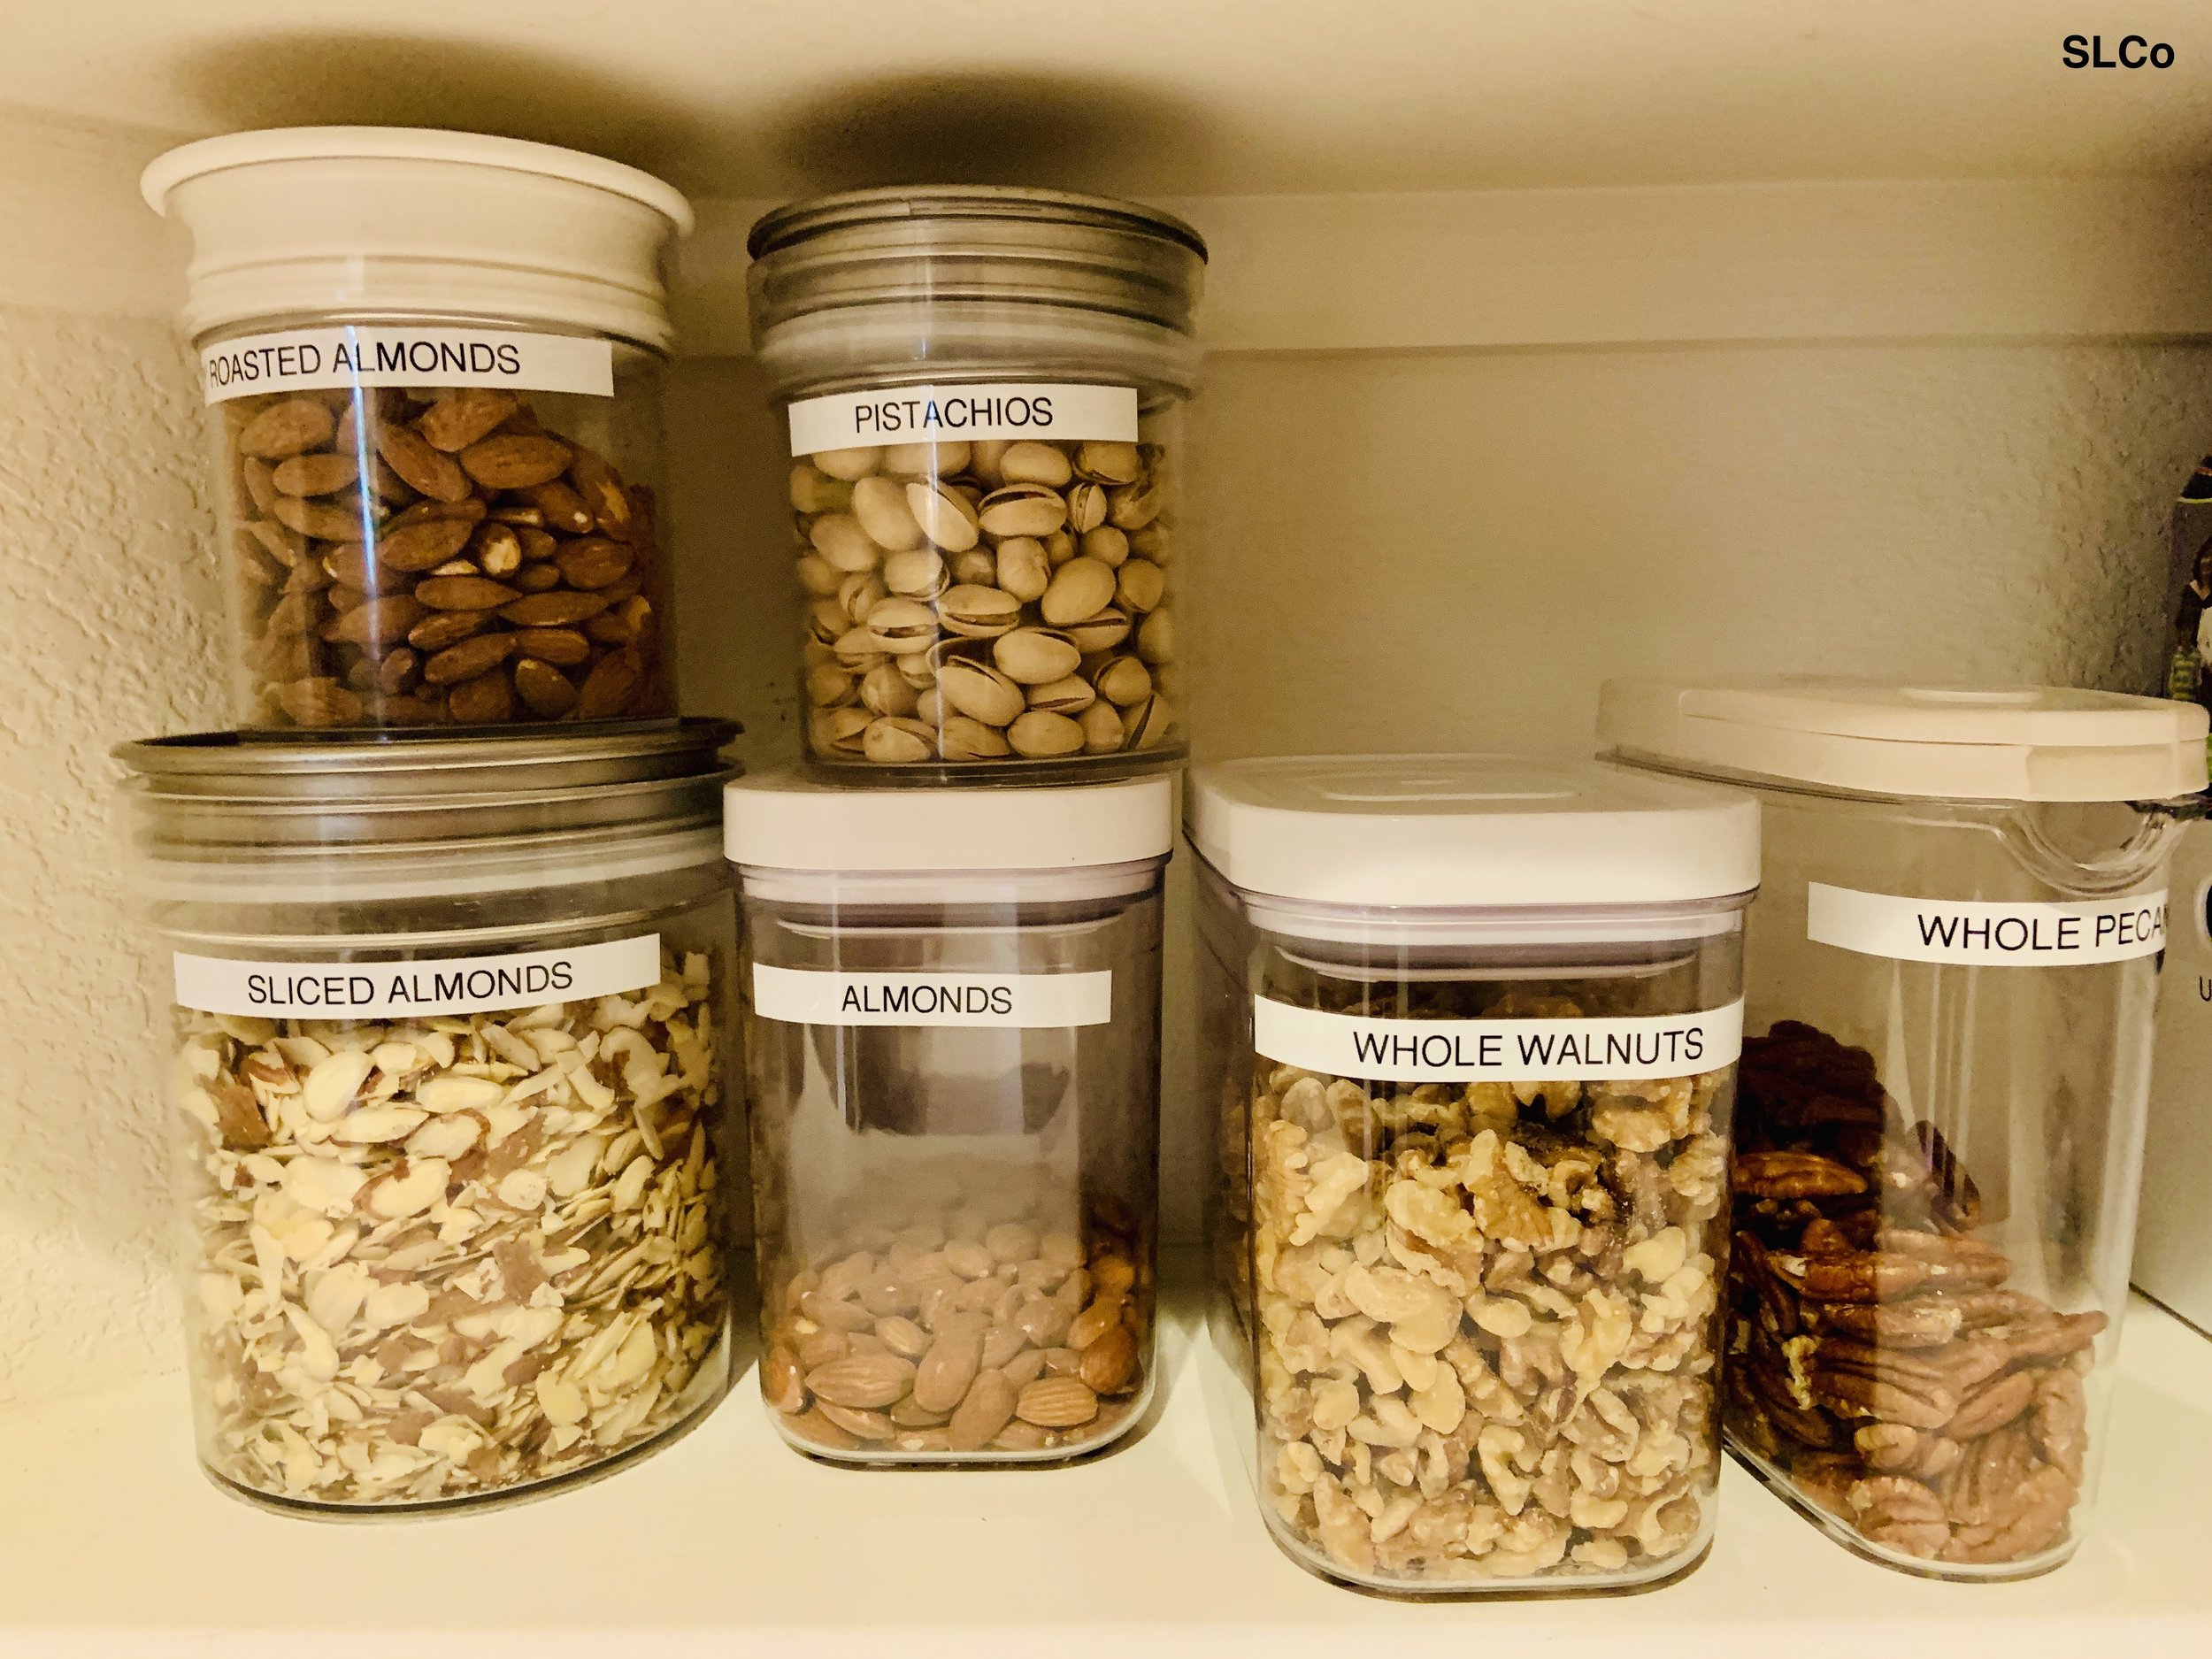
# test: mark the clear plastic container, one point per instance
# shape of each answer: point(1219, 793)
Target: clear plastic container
point(1473, 1021)
point(449, 1055)
point(984, 389)
point(431, 363)
point(1952, 967)
point(952, 1032)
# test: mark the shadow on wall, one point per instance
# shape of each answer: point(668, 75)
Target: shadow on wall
point(961, 127)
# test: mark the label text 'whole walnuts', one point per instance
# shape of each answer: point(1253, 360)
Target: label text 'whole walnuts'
point(1499, 1051)
point(364, 354)
point(387, 990)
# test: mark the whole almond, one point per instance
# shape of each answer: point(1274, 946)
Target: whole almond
point(470, 508)
point(348, 562)
point(487, 700)
point(902, 1337)
point(318, 702)
point(320, 474)
point(1056, 1403)
point(536, 578)
point(864, 1381)
point(781, 1384)
point(536, 544)
point(1110, 1364)
point(593, 561)
point(867, 1425)
point(441, 628)
point(987, 1408)
point(543, 689)
point(423, 546)
point(515, 461)
point(467, 592)
point(609, 688)
point(469, 658)
point(286, 546)
point(423, 467)
point(601, 489)
point(260, 480)
point(564, 648)
point(397, 670)
point(377, 623)
point(550, 610)
point(943, 1377)
point(463, 416)
point(291, 427)
point(322, 518)
point(496, 548)
point(816, 1427)
point(1095, 1321)
point(561, 508)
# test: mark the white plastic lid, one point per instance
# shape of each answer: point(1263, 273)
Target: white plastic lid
point(360, 220)
point(1947, 742)
point(1470, 831)
point(784, 821)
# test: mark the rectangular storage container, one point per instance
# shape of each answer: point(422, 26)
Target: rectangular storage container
point(1952, 968)
point(952, 1027)
point(1473, 1023)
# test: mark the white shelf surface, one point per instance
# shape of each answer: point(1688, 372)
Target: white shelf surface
point(730, 1543)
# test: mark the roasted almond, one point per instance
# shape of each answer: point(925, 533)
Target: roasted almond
point(291, 427)
point(324, 520)
point(600, 488)
point(561, 508)
point(318, 701)
point(487, 700)
point(564, 648)
point(471, 593)
point(1110, 1364)
point(515, 461)
point(592, 562)
point(497, 549)
point(536, 578)
point(320, 474)
point(423, 467)
point(441, 628)
point(461, 417)
point(424, 545)
point(471, 657)
point(376, 622)
point(545, 691)
point(610, 688)
point(553, 609)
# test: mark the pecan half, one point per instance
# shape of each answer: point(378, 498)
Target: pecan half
point(1900, 1514)
point(1855, 1393)
point(1918, 1322)
point(1794, 1175)
point(1866, 1276)
point(1993, 1405)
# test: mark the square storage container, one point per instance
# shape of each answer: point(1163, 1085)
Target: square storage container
point(1473, 1022)
point(431, 363)
point(952, 1030)
point(449, 1052)
point(1951, 973)
point(985, 390)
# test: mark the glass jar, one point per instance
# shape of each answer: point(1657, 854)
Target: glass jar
point(1473, 1023)
point(953, 1033)
point(431, 363)
point(1952, 968)
point(984, 388)
point(449, 1053)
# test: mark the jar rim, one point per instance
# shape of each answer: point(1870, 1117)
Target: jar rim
point(795, 222)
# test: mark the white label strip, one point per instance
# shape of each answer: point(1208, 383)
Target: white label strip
point(1497, 1050)
point(815, 996)
point(921, 414)
point(390, 990)
point(1973, 933)
point(325, 359)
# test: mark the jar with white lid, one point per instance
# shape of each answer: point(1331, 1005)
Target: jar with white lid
point(431, 363)
point(1472, 1021)
point(449, 1050)
point(1951, 973)
point(952, 1004)
point(984, 389)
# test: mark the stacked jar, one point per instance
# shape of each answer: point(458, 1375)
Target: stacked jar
point(985, 391)
point(447, 934)
point(953, 991)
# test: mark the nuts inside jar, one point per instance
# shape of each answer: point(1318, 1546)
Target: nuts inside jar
point(986, 601)
point(445, 559)
point(441, 1257)
point(970, 1319)
point(1487, 1318)
point(1879, 1362)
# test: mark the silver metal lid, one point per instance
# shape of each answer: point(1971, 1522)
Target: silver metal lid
point(220, 794)
point(950, 247)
